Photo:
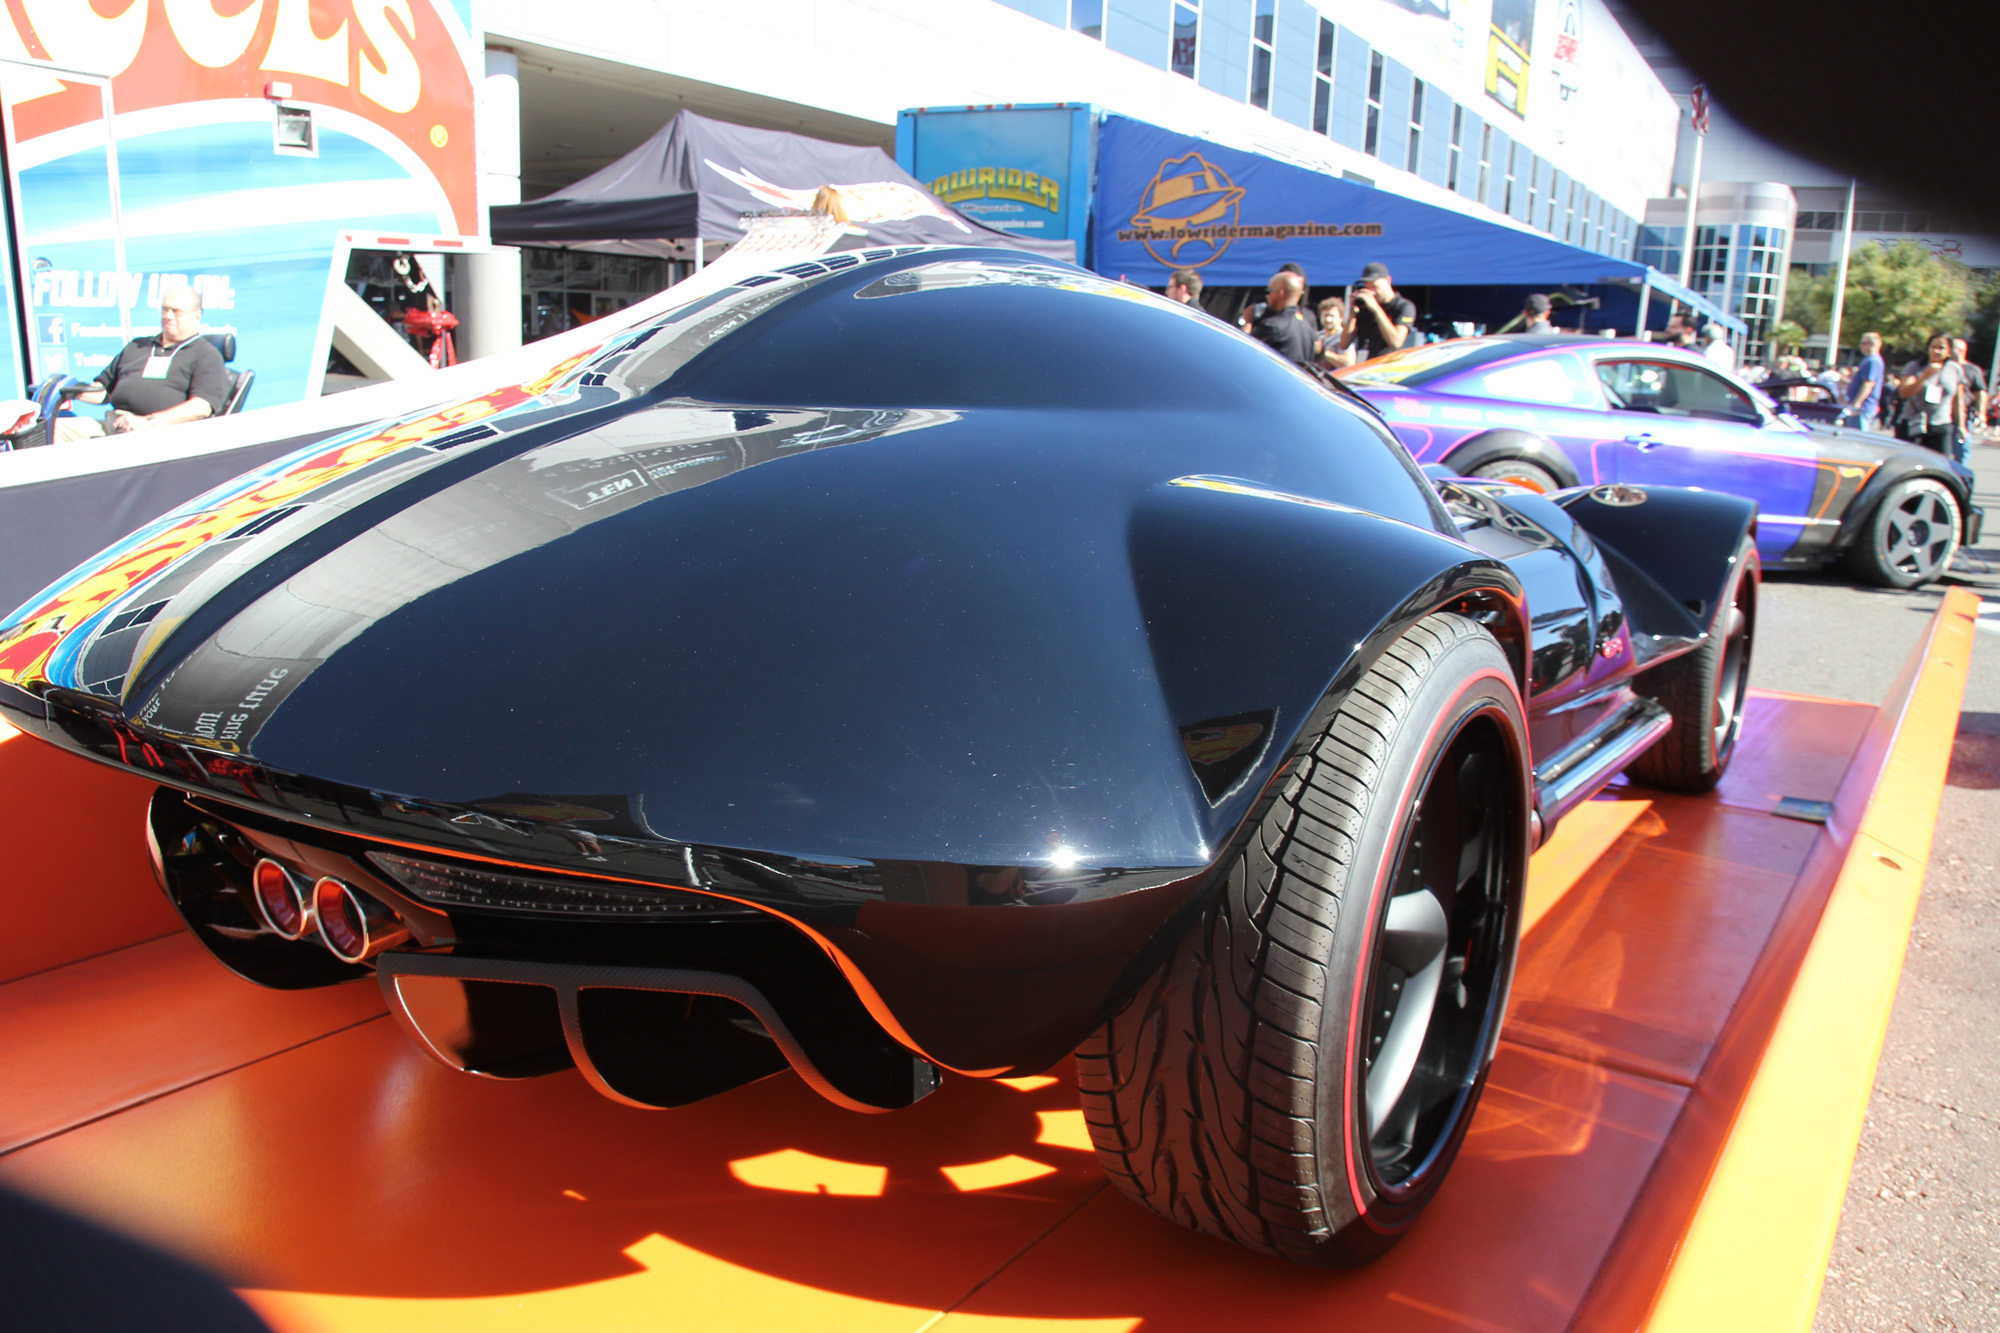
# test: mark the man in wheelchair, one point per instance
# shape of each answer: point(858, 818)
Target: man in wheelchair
point(162, 379)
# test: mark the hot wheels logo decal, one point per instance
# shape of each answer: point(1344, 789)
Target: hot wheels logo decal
point(403, 64)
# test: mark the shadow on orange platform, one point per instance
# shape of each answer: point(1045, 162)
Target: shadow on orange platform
point(314, 1156)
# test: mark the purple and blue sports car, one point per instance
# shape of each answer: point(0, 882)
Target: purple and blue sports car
point(1558, 410)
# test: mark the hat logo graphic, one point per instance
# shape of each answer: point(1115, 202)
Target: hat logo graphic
point(1187, 192)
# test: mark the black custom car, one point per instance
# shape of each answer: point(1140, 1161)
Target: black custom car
point(912, 661)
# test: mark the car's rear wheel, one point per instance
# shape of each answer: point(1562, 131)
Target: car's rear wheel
point(1299, 1075)
point(1529, 476)
point(1703, 692)
point(1911, 537)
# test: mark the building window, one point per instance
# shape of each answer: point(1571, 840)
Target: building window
point(1451, 163)
point(1371, 138)
point(1087, 17)
point(1414, 155)
point(1661, 248)
point(1757, 266)
point(1323, 78)
point(1262, 33)
point(1534, 186)
point(1485, 160)
point(1569, 215)
point(1187, 36)
point(1507, 195)
point(1710, 273)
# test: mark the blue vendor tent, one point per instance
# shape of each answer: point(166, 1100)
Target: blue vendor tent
point(1167, 201)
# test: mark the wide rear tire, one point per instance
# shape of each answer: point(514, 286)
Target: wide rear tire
point(1299, 1075)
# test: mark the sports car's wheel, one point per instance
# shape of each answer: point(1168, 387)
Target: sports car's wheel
point(1911, 536)
point(1529, 476)
point(1299, 1075)
point(1703, 692)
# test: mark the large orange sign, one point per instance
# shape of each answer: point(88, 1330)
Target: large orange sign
point(402, 64)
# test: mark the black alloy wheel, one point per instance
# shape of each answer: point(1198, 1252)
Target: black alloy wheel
point(1704, 691)
point(1436, 966)
point(1300, 1074)
point(1911, 537)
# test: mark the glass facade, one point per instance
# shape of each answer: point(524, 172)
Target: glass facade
point(1739, 266)
point(1755, 273)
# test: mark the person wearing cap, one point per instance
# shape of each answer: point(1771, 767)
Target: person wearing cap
point(1381, 320)
point(1535, 314)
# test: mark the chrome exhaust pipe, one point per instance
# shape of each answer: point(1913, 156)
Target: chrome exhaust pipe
point(352, 925)
point(281, 900)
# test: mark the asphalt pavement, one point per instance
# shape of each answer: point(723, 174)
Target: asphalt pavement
point(1919, 1240)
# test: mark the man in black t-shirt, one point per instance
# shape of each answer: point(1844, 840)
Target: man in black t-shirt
point(1284, 324)
point(162, 379)
point(1381, 320)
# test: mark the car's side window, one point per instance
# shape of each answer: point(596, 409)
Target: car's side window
point(1673, 390)
point(1634, 386)
point(1556, 380)
point(1703, 394)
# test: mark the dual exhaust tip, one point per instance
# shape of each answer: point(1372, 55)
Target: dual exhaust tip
point(352, 925)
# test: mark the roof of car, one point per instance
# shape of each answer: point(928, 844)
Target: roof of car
point(1560, 339)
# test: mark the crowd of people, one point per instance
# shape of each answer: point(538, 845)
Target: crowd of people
point(1367, 321)
point(1939, 400)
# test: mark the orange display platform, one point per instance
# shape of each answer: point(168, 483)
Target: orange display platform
point(298, 1144)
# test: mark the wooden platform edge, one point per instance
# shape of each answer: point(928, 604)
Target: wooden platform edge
point(1755, 1252)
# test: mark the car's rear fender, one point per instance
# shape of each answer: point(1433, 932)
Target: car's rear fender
point(1492, 446)
point(1683, 542)
point(1262, 611)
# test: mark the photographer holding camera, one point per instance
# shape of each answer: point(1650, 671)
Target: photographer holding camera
point(1380, 320)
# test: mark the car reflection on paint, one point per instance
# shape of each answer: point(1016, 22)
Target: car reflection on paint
point(1557, 410)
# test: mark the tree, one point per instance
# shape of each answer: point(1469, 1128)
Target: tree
point(1901, 291)
point(1788, 335)
point(1984, 321)
point(1809, 300)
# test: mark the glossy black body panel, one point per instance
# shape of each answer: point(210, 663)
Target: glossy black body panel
point(1685, 541)
point(947, 611)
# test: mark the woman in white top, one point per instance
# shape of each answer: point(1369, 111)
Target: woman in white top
point(1929, 393)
